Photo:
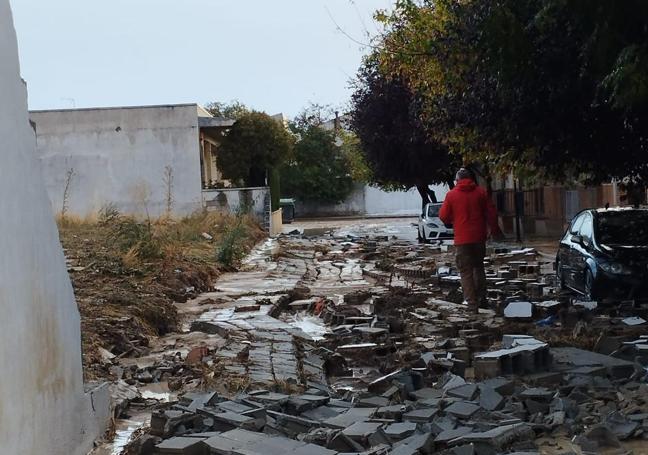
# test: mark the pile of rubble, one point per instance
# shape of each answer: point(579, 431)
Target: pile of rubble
point(364, 346)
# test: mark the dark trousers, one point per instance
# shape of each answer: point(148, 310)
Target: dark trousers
point(470, 262)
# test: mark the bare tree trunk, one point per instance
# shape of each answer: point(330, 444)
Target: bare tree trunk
point(427, 195)
point(489, 180)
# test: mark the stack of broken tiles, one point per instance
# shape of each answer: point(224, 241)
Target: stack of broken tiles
point(520, 354)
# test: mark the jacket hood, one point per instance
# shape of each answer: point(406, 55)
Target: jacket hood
point(466, 185)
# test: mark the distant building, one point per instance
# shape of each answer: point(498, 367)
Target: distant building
point(144, 160)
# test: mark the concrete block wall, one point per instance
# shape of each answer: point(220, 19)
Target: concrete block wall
point(232, 200)
point(121, 156)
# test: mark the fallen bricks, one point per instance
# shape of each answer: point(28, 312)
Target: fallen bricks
point(264, 426)
point(524, 355)
point(405, 370)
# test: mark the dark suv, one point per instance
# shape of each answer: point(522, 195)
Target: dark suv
point(604, 253)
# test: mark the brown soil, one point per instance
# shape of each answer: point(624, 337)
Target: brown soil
point(124, 300)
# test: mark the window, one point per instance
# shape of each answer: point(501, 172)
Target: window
point(576, 224)
point(627, 227)
point(433, 210)
point(587, 228)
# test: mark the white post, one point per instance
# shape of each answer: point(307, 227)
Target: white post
point(43, 407)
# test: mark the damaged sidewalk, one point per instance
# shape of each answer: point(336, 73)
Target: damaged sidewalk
point(341, 344)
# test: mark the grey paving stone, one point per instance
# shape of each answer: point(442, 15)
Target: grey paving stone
point(343, 443)
point(465, 392)
point(233, 406)
point(392, 412)
point(427, 393)
point(373, 402)
point(462, 409)
point(449, 435)
point(273, 446)
point(322, 413)
point(537, 393)
point(499, 437)
point(401, 430)
point(221, 446)
point(453, 381)
point(348, 418)
point(242, 436)
point(518, 310)
point(490, 400)
point(465, 449)
point(420, 415)
point(419, 442)
point(182, 446)
point(360, 431)
point(313, 449)
point(569, 358)
point(404, 449)
point(441, 424)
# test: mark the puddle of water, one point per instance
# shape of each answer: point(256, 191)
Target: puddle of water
point(157, 391)
point(124, 429)
point(311, 325)
point(164, 397)
point(261, 253)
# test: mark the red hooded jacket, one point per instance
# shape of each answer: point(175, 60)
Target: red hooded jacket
point(468, 208)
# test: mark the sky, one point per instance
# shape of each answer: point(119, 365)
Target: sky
point(272, 55)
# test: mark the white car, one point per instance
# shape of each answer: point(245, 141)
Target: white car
point(430, 226)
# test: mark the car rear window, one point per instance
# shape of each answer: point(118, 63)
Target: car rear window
point(623, 228)
point(433, 210)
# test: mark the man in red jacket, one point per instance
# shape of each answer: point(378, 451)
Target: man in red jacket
point(468, 208)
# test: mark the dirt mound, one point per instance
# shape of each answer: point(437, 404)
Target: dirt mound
point(126, 289)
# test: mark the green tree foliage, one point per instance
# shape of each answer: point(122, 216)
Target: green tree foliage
point(232, 110)
point(398, 148)
point(313, 114)
point(318, 170)
point(356, 162)
point(557, 87)
point(252, 146)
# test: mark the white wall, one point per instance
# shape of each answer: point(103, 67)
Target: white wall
point(354, 204)
point(229, 200)
point(43, 408)
point(367, 200)
point(119, 156)
point(379, 202)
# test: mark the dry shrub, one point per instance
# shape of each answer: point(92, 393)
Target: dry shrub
point(74, 221)
point(232, 246)
point(190, 228)
point(130, 258)
point(138, 236)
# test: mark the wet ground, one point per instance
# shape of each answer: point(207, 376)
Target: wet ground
point(349, 310)
point(402, 228)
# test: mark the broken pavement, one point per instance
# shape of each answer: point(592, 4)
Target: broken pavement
point(343, 344)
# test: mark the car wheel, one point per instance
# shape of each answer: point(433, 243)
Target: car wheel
point(590, 292)
point(420, 238)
